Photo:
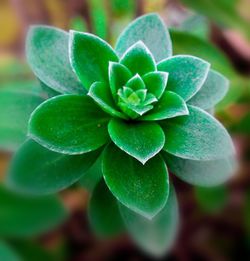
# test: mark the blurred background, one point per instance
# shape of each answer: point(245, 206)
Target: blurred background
point(215, 222)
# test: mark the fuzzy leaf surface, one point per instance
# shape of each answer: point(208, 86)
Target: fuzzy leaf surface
point(142, 188)
point(69, 124)
point(141, 140)
point(151, 30)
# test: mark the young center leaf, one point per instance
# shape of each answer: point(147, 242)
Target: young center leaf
point(69, 124)
point(197, 136)
point(155, 236)
point(90, 57)
point(186, 74)
point(142, 188)
point(103, 212)
point(141, 140)
point(47, 54)
point(37, 170)
point(149, 29)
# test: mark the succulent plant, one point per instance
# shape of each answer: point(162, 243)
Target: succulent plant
point(137, 108)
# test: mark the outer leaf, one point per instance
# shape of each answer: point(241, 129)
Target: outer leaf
point(151, 30)
point(213, 91)
point(138, 59)
point(142, 188)
point(201, 173)
point(156, 83)
point(69, 124)
point(16, 106)
point(170, 105)
point(198, 136)
point(101, 94)
point(140, 140)
point(37, 170)
point(118, 76)
point(186, 74)
point(27, 216)
point(47, 54)
point(154, 236)
point(90, 57)
point(7, 253)
point(104, 215)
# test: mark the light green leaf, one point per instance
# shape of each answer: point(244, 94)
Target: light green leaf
point(169, 106)
point(138, 59)
point(198, 136)
point(47, 54)
point(155, 236)
point(213, 91)
point(151, 30)
point(156, 83)
point(69, 124)
point(101, 94)
point(118, 76)
point(141, 140)
point(90, 57)
point(37, 170)
point(186, 74)
point(23, 216)
point(142, 188)
point(201, 172)
point(103, 212)
point(7, 253)
point(136, 83)
point(16, 106)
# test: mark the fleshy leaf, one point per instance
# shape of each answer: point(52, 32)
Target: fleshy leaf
point(118, 76)
point(134, 111)
point(156, 83)
point(212, 92)
point(90, 57)
point(155, 236)
point(141, 140)
point(136, 83)
point(101, 94)
point(37, 170)
point(69, 124)
point(23, 216)
point(151, 30)
point(142, 188)
point(103, 212)
point(16, 106)
point(138, 59)
point(47, 54)
point(186, 74)
point(169, 106)
point(198, 136)
point(201, 173)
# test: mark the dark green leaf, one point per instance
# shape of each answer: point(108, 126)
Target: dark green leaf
point(151, 30)
point(37, 170)
point(138, 59)
point(16, 106)
point(213, 91)
point(101, 94)
point(155, 236)
point(197, 136)
point(170, 105)
point(103, 211)
point(69, 124)
point(186, 74)
point(156, 83)
point(47, 54)
point(23, 216)
point(141, 140)
point(142, 188)
point(201, 173)
point(90, 57)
